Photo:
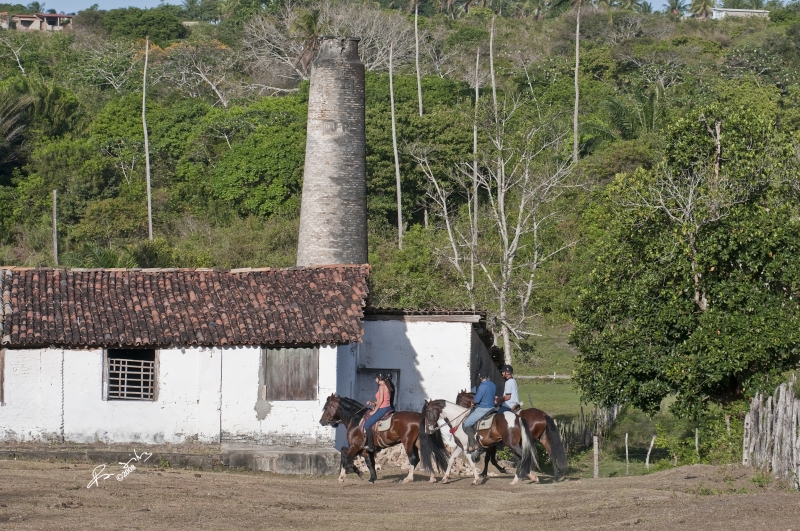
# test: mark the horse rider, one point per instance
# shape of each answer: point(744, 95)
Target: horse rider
point(381, 406)
point(483, 403)
point(510, 399)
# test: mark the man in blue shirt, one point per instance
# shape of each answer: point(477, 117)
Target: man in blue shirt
point(483, 403)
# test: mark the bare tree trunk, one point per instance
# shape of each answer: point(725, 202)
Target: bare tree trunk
point(474, 179)
point(396, 160)
point(491, 69)
point(577, 63)
point(416, 41)
point(55, 229)
point(147, 141)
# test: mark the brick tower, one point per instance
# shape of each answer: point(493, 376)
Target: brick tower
point(333, 215)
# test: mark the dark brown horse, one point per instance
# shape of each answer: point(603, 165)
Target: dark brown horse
point(406, 428)
point(542, 428)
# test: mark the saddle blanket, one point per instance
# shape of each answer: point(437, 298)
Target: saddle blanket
point(386, 422)
point(486, 422)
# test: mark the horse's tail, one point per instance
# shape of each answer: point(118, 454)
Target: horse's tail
point(432, 450)
point(557, 453)
point(528, 456)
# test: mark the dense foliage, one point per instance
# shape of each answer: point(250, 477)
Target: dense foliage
point(671, 244)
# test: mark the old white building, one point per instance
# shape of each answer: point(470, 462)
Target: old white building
point(173, 356)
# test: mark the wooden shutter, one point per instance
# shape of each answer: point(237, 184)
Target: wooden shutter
point(291, 373)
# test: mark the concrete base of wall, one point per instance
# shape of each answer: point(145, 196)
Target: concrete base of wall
point(281, 460)
point(276, 459)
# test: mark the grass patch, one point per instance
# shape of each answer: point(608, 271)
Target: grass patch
point(547, 353)
point(558, 399)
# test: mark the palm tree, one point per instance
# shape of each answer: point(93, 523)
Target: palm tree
point(630, 118)
point(676, 7)
point(607, 5)
point(702, 8)
point(306, 28)
point(14, 119)
point(644, 7)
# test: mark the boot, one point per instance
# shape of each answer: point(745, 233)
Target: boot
point(470, 431)
point(370, 444)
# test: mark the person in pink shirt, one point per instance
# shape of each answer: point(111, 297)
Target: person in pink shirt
point(381, 406)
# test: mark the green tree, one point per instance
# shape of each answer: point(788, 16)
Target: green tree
point(695, 286)
point(161, 23)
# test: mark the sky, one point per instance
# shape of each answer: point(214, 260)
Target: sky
point(73, 6)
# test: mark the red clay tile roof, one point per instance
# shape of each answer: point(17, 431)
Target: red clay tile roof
point(181, 307)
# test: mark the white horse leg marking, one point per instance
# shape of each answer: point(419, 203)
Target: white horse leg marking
point(450, 464)
point(341, 475)
point(410, 476)
point(476, 481)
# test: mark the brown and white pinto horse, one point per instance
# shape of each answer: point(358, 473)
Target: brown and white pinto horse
point(542, 428)
point(507, 428)
point(406, 429)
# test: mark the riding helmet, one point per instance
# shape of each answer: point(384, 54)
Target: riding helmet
point(507, 368)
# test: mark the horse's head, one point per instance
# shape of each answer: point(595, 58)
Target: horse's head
point(430, 413)
point(464, 398)
point(330, 413)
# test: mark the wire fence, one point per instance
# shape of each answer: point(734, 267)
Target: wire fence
point(578, 434)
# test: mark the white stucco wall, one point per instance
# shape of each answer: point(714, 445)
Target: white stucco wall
point(245, 417)
point(31, 409)
point(186, 409)
point(203, 394)
point(433, 358)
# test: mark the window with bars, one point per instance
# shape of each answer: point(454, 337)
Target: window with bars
point(130, 374)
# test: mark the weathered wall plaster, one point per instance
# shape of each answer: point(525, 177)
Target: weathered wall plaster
point(433, 358)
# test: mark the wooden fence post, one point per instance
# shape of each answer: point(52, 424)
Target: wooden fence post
point(647, 460)
point(627, 462)
point(596, 457)
point(697, 442)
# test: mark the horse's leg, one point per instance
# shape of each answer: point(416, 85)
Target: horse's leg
point(347, 459)
point(486, 458)
point(369, 457)
point(494, 462)
point(450, 463)
point(546, 445)
point(413, 460)
point(477, 479)
point(533, 476)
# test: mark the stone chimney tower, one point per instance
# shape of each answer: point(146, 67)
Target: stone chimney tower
point(333, 215)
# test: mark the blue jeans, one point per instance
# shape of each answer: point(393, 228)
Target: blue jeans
point(375, 417)
point(476, 415)
point(503, 409)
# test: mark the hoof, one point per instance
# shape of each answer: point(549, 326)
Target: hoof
point(444, 481)
point(341, 480)
point(514, 481)
point(534, 478)
point(371, 481)
point(502, 470)
point(407, 480)
point(432, 480)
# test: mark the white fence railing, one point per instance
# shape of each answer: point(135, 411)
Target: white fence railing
point(772, 434)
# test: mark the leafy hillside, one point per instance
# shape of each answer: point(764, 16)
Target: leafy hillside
point(668, 234)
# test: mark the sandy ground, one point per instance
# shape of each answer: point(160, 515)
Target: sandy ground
point(37, 495)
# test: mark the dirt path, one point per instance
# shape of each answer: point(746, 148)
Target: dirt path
point(53, 496)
